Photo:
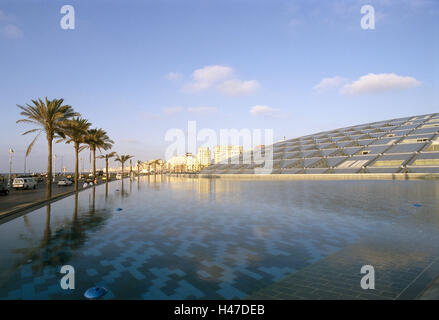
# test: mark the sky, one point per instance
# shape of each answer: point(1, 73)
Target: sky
point(140, 68)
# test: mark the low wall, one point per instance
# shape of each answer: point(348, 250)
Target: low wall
point(332, 176)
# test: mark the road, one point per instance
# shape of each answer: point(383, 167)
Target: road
point(21, 197)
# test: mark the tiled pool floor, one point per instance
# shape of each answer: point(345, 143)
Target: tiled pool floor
point(180, 238)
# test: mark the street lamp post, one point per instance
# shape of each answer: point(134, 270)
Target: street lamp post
point(11, 152)
point(25, 157)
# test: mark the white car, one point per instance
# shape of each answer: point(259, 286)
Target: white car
point(118, 176)
point(24, 183)
point(65, 182)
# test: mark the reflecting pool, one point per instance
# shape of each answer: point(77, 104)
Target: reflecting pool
point(162, 237)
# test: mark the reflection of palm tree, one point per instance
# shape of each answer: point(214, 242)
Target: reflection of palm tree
point(75, 131)
point(93, 200)
point(75, 210)
point(28, 225)
point(48, 115)
point(54, 249)
point(47, 232)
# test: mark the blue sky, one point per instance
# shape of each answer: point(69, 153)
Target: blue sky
point(139, 68)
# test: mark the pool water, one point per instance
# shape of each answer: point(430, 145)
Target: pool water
point(162, 237)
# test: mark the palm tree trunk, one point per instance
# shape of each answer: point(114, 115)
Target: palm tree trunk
point(106, 168)
point(49, 169)
point(123, 164)
point(76, 166)
point(94, 163)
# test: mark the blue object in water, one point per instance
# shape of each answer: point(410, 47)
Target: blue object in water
point(95, 292)
point(417, 205)
point(119, 209)
point(117, 189)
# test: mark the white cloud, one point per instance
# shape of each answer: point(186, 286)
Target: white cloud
point(329, 83)
point(174, 76)
point(211, 74)
point(263, 111)
point(236, 87)
point(202, 110)
point(172, 110)
point(12, 32)
point(375, 83)
point(220, 78)
point(206, 77)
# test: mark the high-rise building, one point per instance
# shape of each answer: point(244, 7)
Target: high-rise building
point(224, 152)
point(204, 157)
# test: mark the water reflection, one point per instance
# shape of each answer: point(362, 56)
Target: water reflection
point(57, 246)
point(221, 237)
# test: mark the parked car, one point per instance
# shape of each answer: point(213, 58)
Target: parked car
point(65, 182)
point(24, 183)
point(4, 188)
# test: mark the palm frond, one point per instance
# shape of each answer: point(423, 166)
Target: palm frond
point(30, 131)
point(29, 148)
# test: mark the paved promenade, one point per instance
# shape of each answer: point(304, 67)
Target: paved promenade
point(24, 197)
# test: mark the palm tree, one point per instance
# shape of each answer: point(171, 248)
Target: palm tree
point(48, 115)
point(107, 157)
point(139, 163)
point(75, 132)
point(155, 163)
point(98, 139)
point(122, 159)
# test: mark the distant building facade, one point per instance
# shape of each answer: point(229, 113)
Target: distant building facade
point(181, 164)
point(204, 157)
point(225, 152)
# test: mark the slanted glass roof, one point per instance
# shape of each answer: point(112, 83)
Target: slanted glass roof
point(406, 148)
point(398, 145)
